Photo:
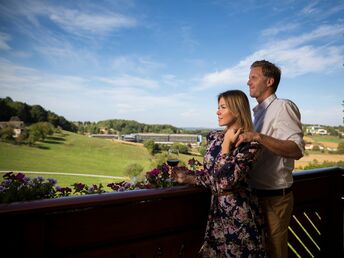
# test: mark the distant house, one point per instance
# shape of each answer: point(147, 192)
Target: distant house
point(331, 149)
point(316, 129)
point(17, 126)
point(314, 146)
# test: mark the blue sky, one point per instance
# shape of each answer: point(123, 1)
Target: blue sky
point(165, 61)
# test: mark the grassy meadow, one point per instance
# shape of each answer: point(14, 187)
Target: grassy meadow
point(73, 153)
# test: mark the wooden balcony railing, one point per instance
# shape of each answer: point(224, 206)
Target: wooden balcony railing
point(161, 222)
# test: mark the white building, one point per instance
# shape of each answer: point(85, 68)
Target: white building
point(164, 138)
point(316, 129)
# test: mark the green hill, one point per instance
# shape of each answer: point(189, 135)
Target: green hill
point(73, 153)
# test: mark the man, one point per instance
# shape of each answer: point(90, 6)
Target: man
point(279, 131)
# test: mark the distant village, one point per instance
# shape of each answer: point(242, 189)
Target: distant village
point(319, 130)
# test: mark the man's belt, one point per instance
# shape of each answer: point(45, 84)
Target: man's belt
point(273, 192)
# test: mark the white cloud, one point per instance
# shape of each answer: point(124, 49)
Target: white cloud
point(296, 55)
point(280, 28)
point(85, 18)
point(310, 8)
point(82, 98)
point(74, 20)
point(4, 38)
point(128, 81)
point(136, 64)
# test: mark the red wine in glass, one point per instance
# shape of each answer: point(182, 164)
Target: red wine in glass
point(172, 162)
point(173, 157)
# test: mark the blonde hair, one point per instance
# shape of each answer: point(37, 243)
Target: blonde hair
point(238, 103)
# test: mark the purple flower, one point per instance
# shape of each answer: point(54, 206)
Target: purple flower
point(79, 187)
point(165, 168)
point(52, 181)
point(20, 177)
point(39, 179)
point(64, 191)
point(155, 172)
point(7, 182)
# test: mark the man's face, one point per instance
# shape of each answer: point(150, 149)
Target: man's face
point(259, 85)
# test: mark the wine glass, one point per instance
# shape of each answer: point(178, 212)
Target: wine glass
point(173, 157)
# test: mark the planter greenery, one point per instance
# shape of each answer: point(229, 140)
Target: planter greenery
point(18, 187)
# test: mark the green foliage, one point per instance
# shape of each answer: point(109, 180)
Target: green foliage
point(32, 114)
point(315, 164)
point(151, 146)
point(133, 170)
point(19, 187)
point(159, 159)
point(38, 114)
point(182, 148)
point(202, 150)
point(39, 131)
point(6, 111)
point(340, 149)
point(125, 127)
point(6, 134)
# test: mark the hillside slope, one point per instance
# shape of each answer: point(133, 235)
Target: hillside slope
point(73, 153)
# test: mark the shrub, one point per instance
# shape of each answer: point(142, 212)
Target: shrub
point(6, 134)
point(151, 146)
point(39, 131)
point(182, 148)
point(133, 170)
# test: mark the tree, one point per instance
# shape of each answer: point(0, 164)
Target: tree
point(39, 131)
point(6, 111)
point(38, 114)
point(22, 110)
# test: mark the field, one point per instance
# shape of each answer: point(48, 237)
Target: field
point(72, 154)
point(311, 156)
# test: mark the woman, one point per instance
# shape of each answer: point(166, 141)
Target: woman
point(234, 228)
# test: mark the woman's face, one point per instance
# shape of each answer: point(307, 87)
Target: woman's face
point(225, 116)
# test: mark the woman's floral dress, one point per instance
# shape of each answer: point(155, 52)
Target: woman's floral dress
point(234, 227)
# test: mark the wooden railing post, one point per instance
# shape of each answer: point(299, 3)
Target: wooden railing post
point(316, 228)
